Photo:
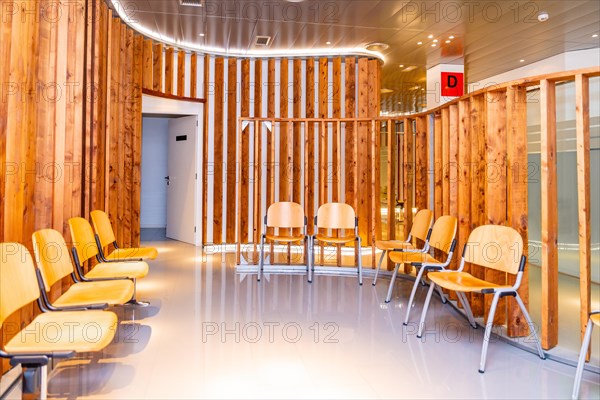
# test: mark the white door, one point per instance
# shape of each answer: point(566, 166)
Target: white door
point(181, 179)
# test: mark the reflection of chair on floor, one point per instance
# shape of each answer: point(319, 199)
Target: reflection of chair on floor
point(19, 287)
point(283, 216)
point(494, 247)
point(106, 237)
point(585, 345)
point(338, 217)
point(52, 257)
point(442, 238)
point(420, 229)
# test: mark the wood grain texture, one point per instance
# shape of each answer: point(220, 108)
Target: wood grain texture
point(244, 151)
point(363, 177)
point(464, 178)
point(148, 64)
point(336, 134)
point(232, 143)
point(391, 178)
point(582, 123)
point(217, 167)
point(170, 70)
point(205, 150)
point(297, 135)
point(421, 163)
point(324, 178)
point(309, 185)
point(351, 148)
point(136, 143)
point(285, 144)
point(271, 81)
point(438, 209)
point(194, 75)
point(445, 160)
point(181, 73)
point(157, 72)
point(549, 210)
point(258, 85)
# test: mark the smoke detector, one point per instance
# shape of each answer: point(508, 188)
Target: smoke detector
point(262, 40)
point(191, 3)
point(543, 16)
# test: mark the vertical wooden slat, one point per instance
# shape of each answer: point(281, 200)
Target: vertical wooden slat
point(128, 142)
point(336, 113)
point(169, 70)
point(421, 164)
point(445, 138)
point(297, 139)
point(101, 81)
point(258, 84)
point(549, 208)
point(452, 172)
point(375, 156)
point(350, 112)
point(284, 137)
point(244, 151)
point(157, 72)
point(582, 123)
point(324, 179)
point(136, 144)
point(363, 153)
point(495, 189)
point(516, 131)
point(464, 178)
point(230, 225)
point(218, 152)
point(408, 180)
point(309, 205)
point(194, 75)
point(438, 166)
point(391, 179)
point(271, 80)
point(181, 73)
point(205, 166)
point(148, 66)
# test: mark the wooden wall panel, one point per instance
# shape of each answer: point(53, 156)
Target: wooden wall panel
point(136, 143)
point(324, 179)
point(363, 181)
point(230, 236)
point(421, 163)
point(335, 145)
point(516, 134)
point(408, 152)
point(158, 62)
point(244, 150)
point(181, 73)
point(271, 81)
point(169, 70)
point(549, 215)
point(218, 152)
point(194, 75)
point(205, 165)
point(374, 91)
point(350, 111)
point(445, 159)
point(438, 208)
point(258, 212)
point(297, 135)
point(309, 191)
point(148, 64)
point(285, 144)
point(464, 179)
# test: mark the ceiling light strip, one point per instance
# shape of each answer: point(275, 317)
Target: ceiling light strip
point(220, 51)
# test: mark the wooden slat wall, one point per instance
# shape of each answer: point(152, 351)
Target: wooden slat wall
point(245, 140)
point(217, 167)
point(231, 150)
point(285, 144)
point(323, 178)
point(421, 163)
point(350, 109)
point(258, 212)
point(157, 72)
point(169, 70)
point(309, 186)
point(465, 178)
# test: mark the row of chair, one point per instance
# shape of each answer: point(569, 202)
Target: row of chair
point(84, 303)
point(490, 246)
point(289, 216)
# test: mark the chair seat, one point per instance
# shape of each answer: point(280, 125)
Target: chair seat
point(461, 281)
point(79, 331)
point(145, 253)
point(125, 269)
point(595, 318)
point(329, 239)
point(399, 257)
point(393, 245)
point(111, 292)
point(285, 238)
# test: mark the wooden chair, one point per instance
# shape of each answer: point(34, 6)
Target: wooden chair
point(283, 215)
point(594, 319)
point(443, 239)
point(84, 248)
point(336, 216)
point(494, 247)
point(18, 288)
point(54, 264)
point(420, 229)
point(106, 237)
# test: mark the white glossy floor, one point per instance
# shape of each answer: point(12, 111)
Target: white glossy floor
point(210, 333)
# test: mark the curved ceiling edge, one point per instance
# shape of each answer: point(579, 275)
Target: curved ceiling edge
point(215, 51)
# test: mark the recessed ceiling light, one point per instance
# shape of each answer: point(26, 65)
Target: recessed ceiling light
point(377, 46)
point(401, 65)
point(435, 40)
point(433, 45)
point(451, 37)
point(422, 88)
point(595, 35)
point(448, 41)
point(328, 42)
point(386, 91)
point(201, 35)
point(543, 16)
point(419, 43)
point(409, 68)
point(521, 60)
point(399, 102)
point(430, 36)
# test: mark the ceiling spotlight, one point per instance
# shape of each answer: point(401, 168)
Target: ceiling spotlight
point(433, 45)
point(595, 35)
point(328, 42)
point(435, 40)
point(201, 35)
point(451, 37)
point(521, 60)
point(377, 46)
point(401, 65)
point(430, 37)
point(419, 43)
point(543, 16)
point(448, 41)
point(386, 91)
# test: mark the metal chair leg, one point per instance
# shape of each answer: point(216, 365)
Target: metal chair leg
point(392, 280)
point(488, 332)
point(360, 274)
point(580, 364)
point(425, 308)
point(412, 294)
point(310, 258)
point(463, 300)
point(261, 258)
point(442, 295)
point(531, 326)
point(379, 267)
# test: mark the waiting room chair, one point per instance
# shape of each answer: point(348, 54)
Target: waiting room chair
point(594, 319)
point(336, 216)
point(84, 248)
point(420, 229)
point(494, 247)
point(443, 239)
point(283, 215)
point(105, 237)
point(54, 263)
point(18, 288)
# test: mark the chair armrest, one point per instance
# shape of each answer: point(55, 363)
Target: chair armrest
point(84, 307)
point(409, 250)
point(434, 267)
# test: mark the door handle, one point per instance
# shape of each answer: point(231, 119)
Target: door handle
point(168, 179)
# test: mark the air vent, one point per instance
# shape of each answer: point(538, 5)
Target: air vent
point(376, 46)
point(262, 41)
point(191, 3)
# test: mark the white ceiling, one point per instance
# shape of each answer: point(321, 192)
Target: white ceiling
point(490, 36)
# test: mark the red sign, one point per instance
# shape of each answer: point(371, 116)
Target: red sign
point(452, 84)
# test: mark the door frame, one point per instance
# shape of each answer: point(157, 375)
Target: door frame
point(161, 106)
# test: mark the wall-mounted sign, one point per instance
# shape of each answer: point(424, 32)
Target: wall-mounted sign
point(452, 84)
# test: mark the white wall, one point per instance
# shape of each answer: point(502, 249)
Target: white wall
point(434, 84)
point(154, 169)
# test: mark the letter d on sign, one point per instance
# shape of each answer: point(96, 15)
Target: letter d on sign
point(452, 84)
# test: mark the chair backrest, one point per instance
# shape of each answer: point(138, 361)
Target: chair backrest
point(18, 283)
point(103, 227)
point(336, 216)
point(285, 214)
point(495, 246)
point(83, 239)
point(421, 224)
point(443, 233)
point(52, 256)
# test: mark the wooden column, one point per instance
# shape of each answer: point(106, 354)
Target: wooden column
point(258, 213)
point(549, 215)
point(157, 73)
point(232, 143)
point(421, 163)
point(324, 179)
point(169, 71)
point(217, 167)
point(309, 201)
point(336, 134)
point(350, 111)
point(181, 73)
point(464, 180)
point(148, 66)
point(194, 75)
point(205, 166)
point(243, 209)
